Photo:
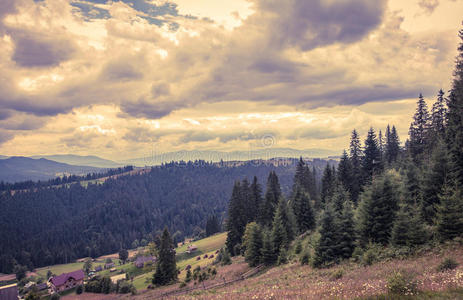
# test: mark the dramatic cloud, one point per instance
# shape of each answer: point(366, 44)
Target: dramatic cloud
point(210, 75)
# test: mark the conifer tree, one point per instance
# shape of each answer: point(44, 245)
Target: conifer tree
point(381, 145)
point(439, 116)
point(340, 196)
point(345, 172)
point(212, 225)
point(166, 266)
point(450, 213)
point(377, 210)
point(419, 129)
point(283, 227)
point(237, 219)
point(413, 191)
point(408, 229)
point(253, 243)
point(268, 252)
point(256, 199)
point(346, 231)
point(455, 119)
point(435, 177)
point(392, 148)
point(328, 181)
point(302, 209)
point(325, 250)
point(272, 195)
point(355, 152)
point(371, 162)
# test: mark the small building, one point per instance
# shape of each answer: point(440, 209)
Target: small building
point(109, 265)
point(191, 249)
point(116, 278)
point(142, 260)
point(41, 286)
point(98, 268)
point(9, 292)
point(67, 281)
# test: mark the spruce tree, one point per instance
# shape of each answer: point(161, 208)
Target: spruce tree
point(325, 250)
point(371, 162)
point(434, 179)
point(253, 243)
point(355, 156)
point(346, 231)
point(166, 266)
point(256, 199)
point(439, 116)
point(345, 172)
point(455, 119)
point(268, 252)
point(450, 213)
point(408, 229)
point(283, 227)
point(304, 215)
point(237, 219)
point(419, 129)
point(272, 195)
point(328, 181)
point(392, 148)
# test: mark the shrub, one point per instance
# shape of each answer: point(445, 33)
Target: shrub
point(337, 274)
point(357, 254)
point(447, 264)
point(55, 296)
point(298, 248)
point(401, 283)
point(182, 284)
point(305, 257)
point(79, 290)
point(369, 257)
point(283, 257)
point(125, 288)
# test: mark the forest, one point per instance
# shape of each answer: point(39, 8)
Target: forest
point(58, 225)
point(383, 193)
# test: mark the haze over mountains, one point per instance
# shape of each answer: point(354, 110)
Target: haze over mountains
point(44, 167)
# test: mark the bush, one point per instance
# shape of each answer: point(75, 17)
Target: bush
point(337, 274)
point(305, 257)
point(401, 283)
point(182, 284)
point(447, 264)
point(79, 290)
point(357, 254)
point(55, 296)
point(369, 257)
point(125, 288)
point(298, 248)
point(283, 257)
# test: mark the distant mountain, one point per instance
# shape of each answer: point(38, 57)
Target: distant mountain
point(216, 156)
point(77, 160)
point(20, 168)
point(3, 156)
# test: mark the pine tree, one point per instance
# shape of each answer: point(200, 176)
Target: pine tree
point(392, 145)
point(346, 231)
point(166, 267)
point(455, 120)
point(434, 179)
point(328, 180)
point(377, 210)
point(408, 229)
point(253, 242)
point(450, 213)
point(212, 225)
point(272, 195)
point(439, 115)
point(419, 131)
point(381, 145)
point(237, 219)
point(345, 172)
point(340, 197)
point(413, 191)
point(325, 250)
point(371, 162)
point(256, 199)
point(283, 227)
point(302, 209)
point(268, 252)
point(355, 158)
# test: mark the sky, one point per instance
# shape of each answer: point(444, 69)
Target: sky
point(119, 78)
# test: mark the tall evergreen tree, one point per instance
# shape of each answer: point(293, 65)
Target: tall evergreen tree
point(346, 231)
point(381, 145)
point(253, 243)
point(166, 266)
point(434, 179)
point(355, 156)
point(408, 229)
point(272, 195)
point(212, 225)
point(419, 129)
point(256, 199)
point(237, 219)
point(302, 209)
point(455, 119)
point(345, 172)
point(328, 181)
point(392, 148)
point(325, 250)
point(439, 115)
point(268, 252)
point(413, 190)
point(282, 227)
point(371, 162)
point(450, 213)
point(377, 210)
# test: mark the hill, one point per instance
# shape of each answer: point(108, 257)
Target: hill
point(35, 226)
point(77, 160)
point(14, 169)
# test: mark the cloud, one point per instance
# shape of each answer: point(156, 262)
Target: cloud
point(428, 5)
point(34, 49)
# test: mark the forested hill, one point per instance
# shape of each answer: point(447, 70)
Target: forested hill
point(52, 226)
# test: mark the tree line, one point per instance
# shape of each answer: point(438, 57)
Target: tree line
point(380, 193)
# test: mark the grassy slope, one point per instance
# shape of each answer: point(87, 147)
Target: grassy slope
point(294, 281)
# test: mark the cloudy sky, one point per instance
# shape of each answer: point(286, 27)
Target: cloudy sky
point(119, 78)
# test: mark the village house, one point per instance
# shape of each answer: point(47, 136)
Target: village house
point(9, 292)
point(141, 260)
point(191, 248)
point(109, 265)
point(67, 281)
point(98, 269)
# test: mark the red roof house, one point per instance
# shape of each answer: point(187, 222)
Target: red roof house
point(67, 281)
